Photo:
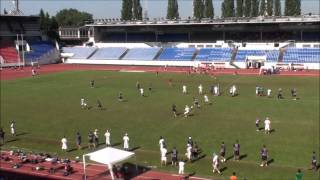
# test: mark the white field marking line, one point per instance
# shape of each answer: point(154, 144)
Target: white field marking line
point(123, 70)
point(40, 174)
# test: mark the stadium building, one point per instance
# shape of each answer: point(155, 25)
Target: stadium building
point(285, 42)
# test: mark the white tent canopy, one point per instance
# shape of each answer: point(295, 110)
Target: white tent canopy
point(108, 156)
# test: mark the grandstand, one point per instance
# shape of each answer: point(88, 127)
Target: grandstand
point(21, 42)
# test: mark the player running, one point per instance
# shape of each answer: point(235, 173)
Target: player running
point(264, 156)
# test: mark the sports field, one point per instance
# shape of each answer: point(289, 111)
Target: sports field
point(47, 107)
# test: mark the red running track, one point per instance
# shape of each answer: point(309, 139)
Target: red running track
point(10, 73)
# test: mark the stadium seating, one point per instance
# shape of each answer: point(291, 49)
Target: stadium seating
point(302, 55)
point(38, 49)
point(79, 52)
point(272, 55)
point(9, 53)
point(141, 54)
point(214, 54)
point(109, 53)
point(177, 54)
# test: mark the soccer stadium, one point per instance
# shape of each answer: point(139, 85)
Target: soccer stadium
point(168, 89)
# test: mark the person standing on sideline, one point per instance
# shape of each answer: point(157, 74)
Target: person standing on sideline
point(184, 89)
point(161, 143)
point(264, 156)
point(141, 92)
point(13, 128)
point(126, 142)
point(163, 156)
point(189, 152)
point(33, 72)
point(314, 165)
point(174, 156)
point(96, 138)
point(236, 151)
point(2, 133)
point(107, 135)
point(257, 124)
point(90, 140)
point(269, 92)
point(299, 174)
point(78, 140)
point(223, 152)
point(215, 163)
point(280, 93)
point(181, 166)
point(64, 145)
point(267, 123)
point(174, 110)
point(200, 89)
point(233, 177)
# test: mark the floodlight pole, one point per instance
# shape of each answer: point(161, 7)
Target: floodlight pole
point(22, 50)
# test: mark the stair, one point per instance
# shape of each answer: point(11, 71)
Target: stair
point(233, 58)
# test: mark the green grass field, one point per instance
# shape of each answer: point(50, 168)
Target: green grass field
point(46, 108)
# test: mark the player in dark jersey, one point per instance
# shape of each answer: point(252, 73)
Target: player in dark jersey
point(174, 110)
point(314, 162)
point(99, 104)
point(264, 156)
point(196, 102)
point(90, 140)
point(294, 93)
point(78, 140)
point(92, 83)
point(257, 124)
point(174, 156)
point(280, 93)
point(236, 151)
point(223, 152)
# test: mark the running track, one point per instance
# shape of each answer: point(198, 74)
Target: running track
point(9, 73)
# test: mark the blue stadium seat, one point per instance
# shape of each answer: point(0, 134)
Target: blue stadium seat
point(38, 49)
point(302, 55)
point(79, 52)
point(177, 54)
point(214, 54)
point(272, 55)
point(141, 54)
point(109, 53)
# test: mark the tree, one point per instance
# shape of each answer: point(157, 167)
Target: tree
point(228, 8)
point(270, 7)
point(223, 10)
point(42, 20)
point(209, 10)
point(126, 11)
point(137, 10)
point(297, 7)
point(247, 8)
point(254, 8)
point(198, 9)
point(239, 12)
point(262, 8)
point(173, 9)
point(72, 17)
point(277, 8)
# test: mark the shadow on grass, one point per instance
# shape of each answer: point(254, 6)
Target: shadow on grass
point(243, 156)
point(272, 131)
point(22, 133)
point(230, 157)
point(223, 169)
point(12, 140)
point(198, 158)
point(189, 175)
point(260, 129)
point(270, 161)
point(73, 149)
point(134, 148)
point(115, 144)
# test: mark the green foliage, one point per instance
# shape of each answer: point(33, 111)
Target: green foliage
point(173, 9)
point(198, 8)
point(209, 10)
point(72, 17)
point(137, 10)
point(292, 8)
point(277, 8)
point(126, 12)
point(270, 7)
point(255, 8)
point(262, 8)
point(239, 8)
point(47, 107)
point(49, 25)
point(228, 8)
point(247, 8)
